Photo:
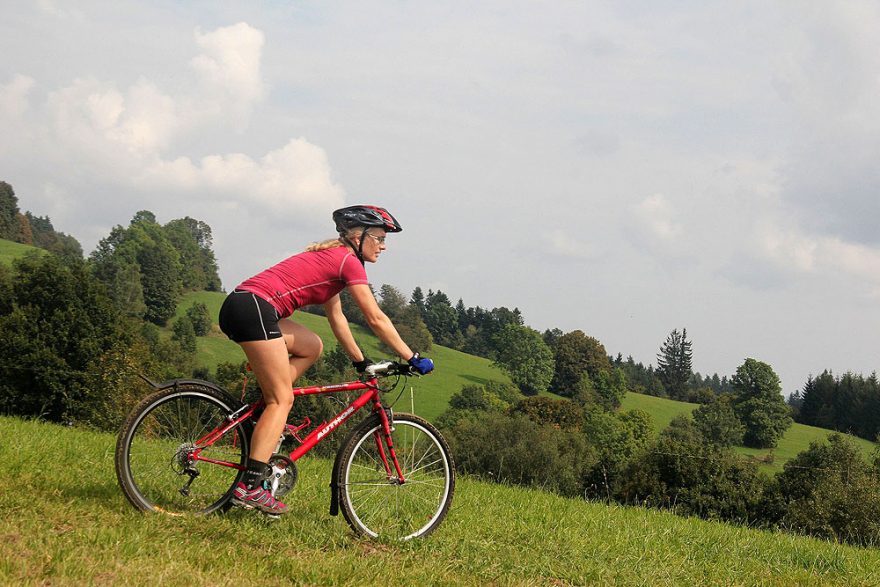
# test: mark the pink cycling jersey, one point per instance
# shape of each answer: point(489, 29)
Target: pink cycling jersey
point(308, 278)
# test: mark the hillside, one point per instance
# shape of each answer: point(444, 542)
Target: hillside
point(455, 369)
point(796, 439)
point(430, 394)
point(10, 250)
point(72, 526)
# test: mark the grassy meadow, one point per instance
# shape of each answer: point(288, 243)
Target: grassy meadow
point(63, 521)
point(11, 250)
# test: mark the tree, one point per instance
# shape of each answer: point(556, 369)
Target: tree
point(200, 318)
point(391, 301)
point(60, 321)
point(442, 320)
point(192, 239)
point(674, 364)
point(522, 353)
point(718, 423)
point(9, 227)
point(412, 330)
point(610, 386)
point(418, 300)
point(145, 244)
point(759, 404)
point(576, 354)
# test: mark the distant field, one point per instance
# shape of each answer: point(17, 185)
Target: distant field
point(662, 410)
point(10, 250)
point(68, 524)
point(796, 439)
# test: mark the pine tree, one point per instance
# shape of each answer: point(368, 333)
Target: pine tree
point(674, 364)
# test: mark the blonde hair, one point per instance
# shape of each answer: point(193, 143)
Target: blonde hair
point(324, 245)
point(330, 243)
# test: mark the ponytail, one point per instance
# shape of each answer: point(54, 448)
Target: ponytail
point(324, 245)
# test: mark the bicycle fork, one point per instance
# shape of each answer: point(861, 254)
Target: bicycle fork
point(387, 428)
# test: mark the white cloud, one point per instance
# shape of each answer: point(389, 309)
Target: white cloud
point(128, 136)
point(14, 96)
point(658, 218)
point(793, 250)
point(229, 67)
point(293, 179)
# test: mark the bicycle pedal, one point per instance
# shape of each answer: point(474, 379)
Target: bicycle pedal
point(272, 517)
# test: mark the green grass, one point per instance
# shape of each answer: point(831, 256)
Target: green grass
point(430, 394)
point(796, 439)
point(10, 251)
point(63, 521)
point(662, 410)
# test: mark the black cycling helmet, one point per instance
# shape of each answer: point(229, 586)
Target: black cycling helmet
point(366, 217)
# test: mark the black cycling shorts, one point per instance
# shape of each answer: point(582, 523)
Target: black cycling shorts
point(245, 317)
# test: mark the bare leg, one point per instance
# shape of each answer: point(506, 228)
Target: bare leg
point(277, 363)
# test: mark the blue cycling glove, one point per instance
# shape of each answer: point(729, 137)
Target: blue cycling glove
point(420, 364)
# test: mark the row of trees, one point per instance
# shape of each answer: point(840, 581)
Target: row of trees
point(25, 228)
point(848, 403)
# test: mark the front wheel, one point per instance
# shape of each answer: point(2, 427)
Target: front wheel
point(374, 500)
point(162, 466)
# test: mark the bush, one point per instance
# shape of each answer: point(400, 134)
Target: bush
point(184, 334)
point(615, 438)
point(471, 399)
point(200, 317)
point(545, 411)
point(681, 471)
point(830, 491)
point(513, 449)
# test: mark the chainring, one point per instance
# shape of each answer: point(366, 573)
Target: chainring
point(283, 475)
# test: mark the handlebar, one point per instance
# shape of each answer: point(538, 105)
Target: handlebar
point(389, 368)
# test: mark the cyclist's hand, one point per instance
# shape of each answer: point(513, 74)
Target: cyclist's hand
point(421, 364)
point(361, 366)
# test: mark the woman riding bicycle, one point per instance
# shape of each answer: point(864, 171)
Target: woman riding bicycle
point(279, 350)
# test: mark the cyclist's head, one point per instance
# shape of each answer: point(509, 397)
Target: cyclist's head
point(363, 217)
point(354, 224)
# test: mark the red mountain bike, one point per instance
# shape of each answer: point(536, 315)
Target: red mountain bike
point(184, 448)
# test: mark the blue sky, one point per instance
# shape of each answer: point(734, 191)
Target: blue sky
point(619, 168)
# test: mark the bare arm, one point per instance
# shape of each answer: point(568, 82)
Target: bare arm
point(341, 330)
point(378, 322)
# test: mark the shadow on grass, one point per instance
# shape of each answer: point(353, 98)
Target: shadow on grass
point(475, 379)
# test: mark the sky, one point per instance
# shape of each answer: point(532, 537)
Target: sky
point(622, 168)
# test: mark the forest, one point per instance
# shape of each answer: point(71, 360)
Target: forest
point(77, 330)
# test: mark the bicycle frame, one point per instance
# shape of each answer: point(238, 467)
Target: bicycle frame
point(370, 395)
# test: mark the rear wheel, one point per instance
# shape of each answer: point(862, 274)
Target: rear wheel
point(156, 449)
point(375, 501)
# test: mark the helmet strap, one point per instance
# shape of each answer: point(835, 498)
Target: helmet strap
point(358, 250)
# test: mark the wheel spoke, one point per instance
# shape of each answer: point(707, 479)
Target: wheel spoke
point(380, 506)
point(153, 462)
